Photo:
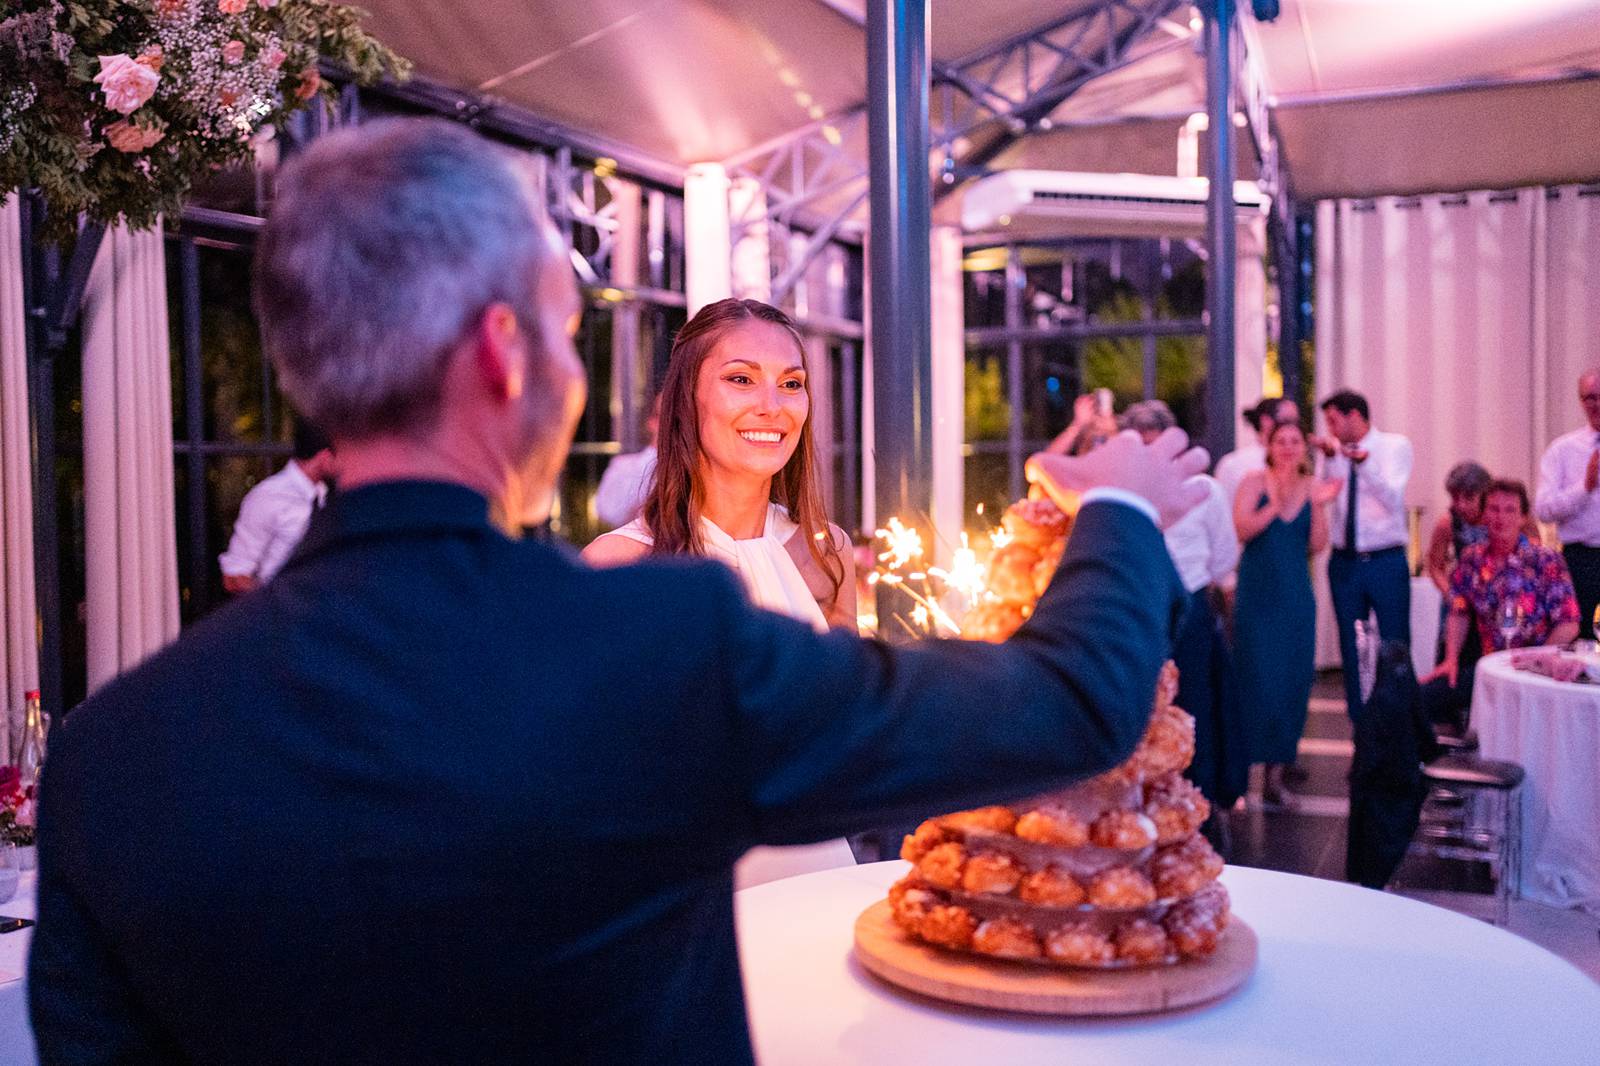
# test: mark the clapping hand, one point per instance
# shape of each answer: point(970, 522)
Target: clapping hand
point(1326, 490)
point(1161, 472)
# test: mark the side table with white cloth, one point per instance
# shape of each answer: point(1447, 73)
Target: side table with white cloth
point(1345, 975)
point(16, 1035)
point(1552, 728)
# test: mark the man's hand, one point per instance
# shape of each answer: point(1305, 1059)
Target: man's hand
point(1449, 670)
point(1591, 474)
point(1355, 453)
point(1159, 471)
point(238, 584)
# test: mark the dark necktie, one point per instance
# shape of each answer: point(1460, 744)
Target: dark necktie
point(1350, 511)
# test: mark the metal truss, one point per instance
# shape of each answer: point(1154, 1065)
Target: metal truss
point(1005, 90)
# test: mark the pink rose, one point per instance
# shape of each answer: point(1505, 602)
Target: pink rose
point(233, 51)
point(267, 5)
point(232, 7)
point(171, 8)
point(310, 80)
point(273, 57)
point(124, 136)
point(126, 83)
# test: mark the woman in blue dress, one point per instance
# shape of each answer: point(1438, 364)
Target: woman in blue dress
point(1280, 514)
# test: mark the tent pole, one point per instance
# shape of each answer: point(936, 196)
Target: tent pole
point(1221, 237)
point(897, 143)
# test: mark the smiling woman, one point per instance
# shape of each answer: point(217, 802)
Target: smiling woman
point(736, 474)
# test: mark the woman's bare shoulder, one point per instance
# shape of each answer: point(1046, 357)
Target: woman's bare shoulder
point(614, 549)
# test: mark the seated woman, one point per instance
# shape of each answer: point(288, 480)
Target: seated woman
point(1514, 593)
point(735, 480)
point(735, 476)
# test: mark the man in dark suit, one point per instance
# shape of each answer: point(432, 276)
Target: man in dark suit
point(439, 795)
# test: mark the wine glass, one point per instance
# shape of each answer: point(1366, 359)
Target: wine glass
point(10, 870)
point(1510, 622)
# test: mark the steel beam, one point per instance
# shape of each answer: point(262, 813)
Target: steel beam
point(897, 142)
point(1221, 237)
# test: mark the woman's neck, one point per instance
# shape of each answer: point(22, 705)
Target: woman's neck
point(735, 503)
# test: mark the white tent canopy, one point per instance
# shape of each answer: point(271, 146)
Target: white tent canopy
point(1368, 97)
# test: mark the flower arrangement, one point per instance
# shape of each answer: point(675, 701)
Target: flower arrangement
point(114, 108)
point(16, 809)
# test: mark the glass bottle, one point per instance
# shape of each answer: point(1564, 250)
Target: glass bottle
point(30, 753)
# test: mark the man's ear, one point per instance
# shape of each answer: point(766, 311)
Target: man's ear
point(499, 351)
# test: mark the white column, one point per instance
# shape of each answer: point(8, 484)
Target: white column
point(1250, 311)
point(751, 258)
point(948, 340)
point(708, 272)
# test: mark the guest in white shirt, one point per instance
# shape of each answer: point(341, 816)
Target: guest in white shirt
point(273, 515)
point(1205, 550)
point(1367, 570)
point(627, 478)
point(1569, 474)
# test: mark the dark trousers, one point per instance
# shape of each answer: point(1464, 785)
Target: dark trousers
point(1221, 765)
point(1584, 564)
point(1363, 582)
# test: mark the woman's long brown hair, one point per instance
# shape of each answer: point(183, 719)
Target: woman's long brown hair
point(672, 507)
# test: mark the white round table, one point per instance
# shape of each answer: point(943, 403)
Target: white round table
point(1346, 975)
point(1552, 728)
point(16, 1035)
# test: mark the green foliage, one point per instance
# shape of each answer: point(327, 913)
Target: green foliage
point(223, 79)
point(988, 414)
point(1117, 363)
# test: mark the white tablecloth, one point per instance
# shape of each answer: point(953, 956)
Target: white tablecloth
point(16, 1036)
point(1346, 975)
point(1553, 730)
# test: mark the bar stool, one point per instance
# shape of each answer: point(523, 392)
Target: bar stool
point(1461, 835)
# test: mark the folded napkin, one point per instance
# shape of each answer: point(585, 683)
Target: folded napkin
point(1550, 663)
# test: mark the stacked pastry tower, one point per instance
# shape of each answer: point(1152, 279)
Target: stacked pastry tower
point(1019, 570)
point(1111, 872)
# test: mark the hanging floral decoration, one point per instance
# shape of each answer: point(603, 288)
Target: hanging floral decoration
point(115, 109)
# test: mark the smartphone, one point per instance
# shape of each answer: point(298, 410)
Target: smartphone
point(1102, 401)
point(11, 925)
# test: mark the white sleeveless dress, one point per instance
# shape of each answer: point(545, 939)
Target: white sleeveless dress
point(774, 582)
point(763, 563)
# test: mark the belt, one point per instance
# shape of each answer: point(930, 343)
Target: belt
point(1364, 557)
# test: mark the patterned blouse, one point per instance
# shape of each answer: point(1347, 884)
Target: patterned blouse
point(1534, 578)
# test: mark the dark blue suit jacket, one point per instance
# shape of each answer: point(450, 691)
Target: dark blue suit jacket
point(435, 795)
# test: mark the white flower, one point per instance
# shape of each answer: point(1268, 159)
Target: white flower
point(126, 83)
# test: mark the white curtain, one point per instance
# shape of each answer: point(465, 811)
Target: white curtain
point(131, 547)
point(19, 661)
point(1465, 320)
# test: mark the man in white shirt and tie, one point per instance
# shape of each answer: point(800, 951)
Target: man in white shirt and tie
point(1367, 570)
point(1568, 476)
point(273, 515)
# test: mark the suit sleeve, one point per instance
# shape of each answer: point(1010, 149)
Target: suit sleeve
point(81, 1004)
point(837, 734)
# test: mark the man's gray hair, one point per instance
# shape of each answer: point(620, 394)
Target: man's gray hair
point(1148, 416)
point(386, 244)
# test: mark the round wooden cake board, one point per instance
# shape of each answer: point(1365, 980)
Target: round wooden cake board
point(1032, 988)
